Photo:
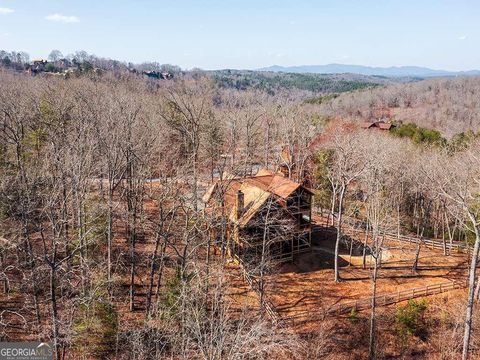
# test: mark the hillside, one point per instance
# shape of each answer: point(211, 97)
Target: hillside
point(121, 197)
point(449, 105)
point(317, 83)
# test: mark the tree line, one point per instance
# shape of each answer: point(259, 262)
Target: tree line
point(103, 236)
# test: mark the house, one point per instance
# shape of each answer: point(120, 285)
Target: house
point(158, 75)
point(262, 212)
point(37, 66)
point(63, 64)
point(382, 125)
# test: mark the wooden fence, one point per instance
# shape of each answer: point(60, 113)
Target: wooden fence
point(358, 226)
point(10, 304)
point(433, 244)
point(381, 299)
point(266, 305)
point(393, 298)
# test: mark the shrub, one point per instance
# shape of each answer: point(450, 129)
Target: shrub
point(323, 160)
point(173, 290)
point(419, 135)
point(50, 67)
point(320, 99)
point(95, 329)
point(410, 318)
point(353, 315)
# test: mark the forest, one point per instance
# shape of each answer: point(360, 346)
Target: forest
point(106, 248)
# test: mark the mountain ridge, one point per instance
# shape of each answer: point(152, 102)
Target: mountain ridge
point(392, 71)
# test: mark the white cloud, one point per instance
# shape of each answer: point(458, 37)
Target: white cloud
point(6, 10)
point(63, 18)
point(463, 37)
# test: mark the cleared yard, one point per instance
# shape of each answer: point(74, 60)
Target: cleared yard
point(304, 290)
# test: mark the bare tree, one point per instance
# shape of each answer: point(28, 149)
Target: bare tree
point(347, 165)
point(55, 55)
point(458, 180)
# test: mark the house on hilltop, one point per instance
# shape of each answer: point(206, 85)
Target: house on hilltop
point(266, 211)
point(37, 66)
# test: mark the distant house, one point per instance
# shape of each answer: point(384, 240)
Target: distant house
point(158, 75)
point(265, 211)
point(166, 75)
point(37, 66)
point(63, 64)
point(382, 125)
point(39, 62)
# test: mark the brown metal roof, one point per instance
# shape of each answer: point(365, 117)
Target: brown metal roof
point(282, 186)
point(385, 126)
point(368, 125)
point(208, 195)
point(256, 189)
point(264, 172)
point(377, 124)
point(254, 199)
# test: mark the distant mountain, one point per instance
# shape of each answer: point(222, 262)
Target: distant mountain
point(393, 71)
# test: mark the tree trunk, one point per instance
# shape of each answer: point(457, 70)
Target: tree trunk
point(450, 235)
point(332, 208)
point(131, 226)
point(417, 254)
point(109, 233)
point(339, 231)
point(351, 251)
point(53, 303)
point(161, 266)
point(365, 241)
point(372, 342)
point(444, 240)
point(152, 275)
point(263, 260)
point(471, 292)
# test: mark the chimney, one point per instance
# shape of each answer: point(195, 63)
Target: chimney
point(239, 204)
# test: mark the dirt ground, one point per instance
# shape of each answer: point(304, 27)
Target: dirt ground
point(303, 290)
point(300, 291)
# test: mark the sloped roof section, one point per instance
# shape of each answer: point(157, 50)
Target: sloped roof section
point(385, 126)
point(254, 199)
point(256, 189)
point(208, 195)
point(367, 125)
point(282, 186)
point(265, 172)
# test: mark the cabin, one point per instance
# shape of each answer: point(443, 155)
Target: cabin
point(382, 125)
point(265, 215)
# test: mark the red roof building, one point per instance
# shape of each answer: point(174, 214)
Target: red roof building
point(265, 209)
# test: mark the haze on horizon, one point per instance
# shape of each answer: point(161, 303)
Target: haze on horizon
point(215, 34)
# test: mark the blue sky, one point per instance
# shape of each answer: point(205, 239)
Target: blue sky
point(248, 34)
